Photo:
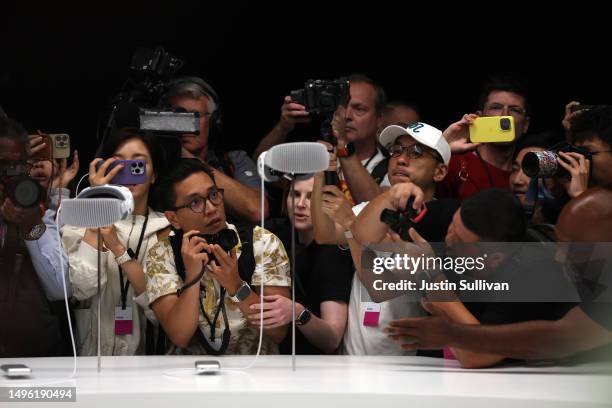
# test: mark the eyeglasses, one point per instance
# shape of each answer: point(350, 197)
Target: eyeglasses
point(415, 151)
point(600, 151)
point(498, 108)
point(198, 204)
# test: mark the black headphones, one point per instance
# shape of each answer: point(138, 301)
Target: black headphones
point(205, 88)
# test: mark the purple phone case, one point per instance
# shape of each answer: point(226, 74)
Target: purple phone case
point(134, 172)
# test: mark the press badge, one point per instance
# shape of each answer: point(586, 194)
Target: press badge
point(371, 313)
point(123, 320)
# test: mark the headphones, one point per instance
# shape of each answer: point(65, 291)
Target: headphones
point(205, 88)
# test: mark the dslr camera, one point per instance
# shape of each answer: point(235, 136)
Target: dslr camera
point(544, 164)
point(22, 190)
point(226, 239)
point(321, 96)
point(402, 221)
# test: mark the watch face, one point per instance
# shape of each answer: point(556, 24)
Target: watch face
point(304, 317)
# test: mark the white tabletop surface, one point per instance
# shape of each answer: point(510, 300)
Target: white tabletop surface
point(319, 381)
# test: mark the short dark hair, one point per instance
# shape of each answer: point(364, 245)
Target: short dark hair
point(503, 83)
point(164, 193)
point(380, 100)
point(592, 122)
point(494, 215)
point(12, 129)
point(543, 140)
point(120, 136)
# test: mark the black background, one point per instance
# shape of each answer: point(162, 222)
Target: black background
point(62, 61)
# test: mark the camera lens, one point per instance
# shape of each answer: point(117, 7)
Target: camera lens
point(540, 164)
point(26, 192)
point(504, 124)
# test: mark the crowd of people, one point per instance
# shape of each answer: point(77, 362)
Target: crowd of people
point(166, 287)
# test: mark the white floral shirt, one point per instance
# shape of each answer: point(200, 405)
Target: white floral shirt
point(272, 266)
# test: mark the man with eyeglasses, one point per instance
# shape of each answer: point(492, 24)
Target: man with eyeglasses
point(200, 293)
point(234, 169)
point(476, 167)
point(419, 154)
point(591, 129)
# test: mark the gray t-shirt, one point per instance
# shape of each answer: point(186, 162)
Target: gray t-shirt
point(245, 169)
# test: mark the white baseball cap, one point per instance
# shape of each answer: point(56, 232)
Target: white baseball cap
point(421, 132)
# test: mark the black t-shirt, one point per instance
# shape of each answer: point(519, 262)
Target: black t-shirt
point(434, 224)
point(323, 273)
point(599, 312)
point(433, 227)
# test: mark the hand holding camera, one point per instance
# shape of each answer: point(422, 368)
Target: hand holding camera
point(335, 205)
point(292, 113)
point(194, 251)
point(407, 199)
point(579, 169)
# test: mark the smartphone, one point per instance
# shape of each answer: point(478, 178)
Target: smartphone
point(57, 146)
point(492, 129)
point(207, 366)
point(47, 152)
point(133, 172)
point(60, 145)
point(16, 370)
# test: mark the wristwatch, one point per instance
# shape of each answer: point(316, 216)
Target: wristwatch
point(242, 293)
point(303, 317)
point(347, 150)
point(36, 232)
point(127, 256)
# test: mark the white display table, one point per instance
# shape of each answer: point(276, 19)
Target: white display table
point(320, 381)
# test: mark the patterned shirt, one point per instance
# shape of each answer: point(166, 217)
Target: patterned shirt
point(272, 267)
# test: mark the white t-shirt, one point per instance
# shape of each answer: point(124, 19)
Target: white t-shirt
point(369, 340)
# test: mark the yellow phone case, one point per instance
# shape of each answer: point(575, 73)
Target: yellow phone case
point(492, 129)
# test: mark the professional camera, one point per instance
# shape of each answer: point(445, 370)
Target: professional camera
point(226, 239)
point(322, 96)
point(22, 190)
point(156, 62)
point(544, 164)
point(402, 221)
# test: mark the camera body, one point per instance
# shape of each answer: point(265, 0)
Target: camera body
point(156, 62)
point(544, 164)
point(22, 190)
point(402, 221)
point(226, 239)
point(322, 96)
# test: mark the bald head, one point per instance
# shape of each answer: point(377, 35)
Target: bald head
point(587, 218)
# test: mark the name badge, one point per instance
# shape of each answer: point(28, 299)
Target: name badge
point(123, 320)
point(371, 313)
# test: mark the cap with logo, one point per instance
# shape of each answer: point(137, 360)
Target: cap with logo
point(423, 133)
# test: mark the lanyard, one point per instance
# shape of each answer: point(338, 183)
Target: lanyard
point(226, 331)
point(122, 287)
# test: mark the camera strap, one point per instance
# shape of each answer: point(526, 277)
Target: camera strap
point(212, 324)
point(531, 197)
point(122, 287)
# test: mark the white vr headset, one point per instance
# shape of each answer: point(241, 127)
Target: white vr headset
point(98, 206)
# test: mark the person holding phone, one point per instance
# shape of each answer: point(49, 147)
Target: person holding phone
point(479, 166)
point(127, 322)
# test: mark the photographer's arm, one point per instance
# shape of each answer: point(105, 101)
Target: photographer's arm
point(362, 185)
point(291, 114)
point(326, 231)
point(368, 228)
point(458, 313)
